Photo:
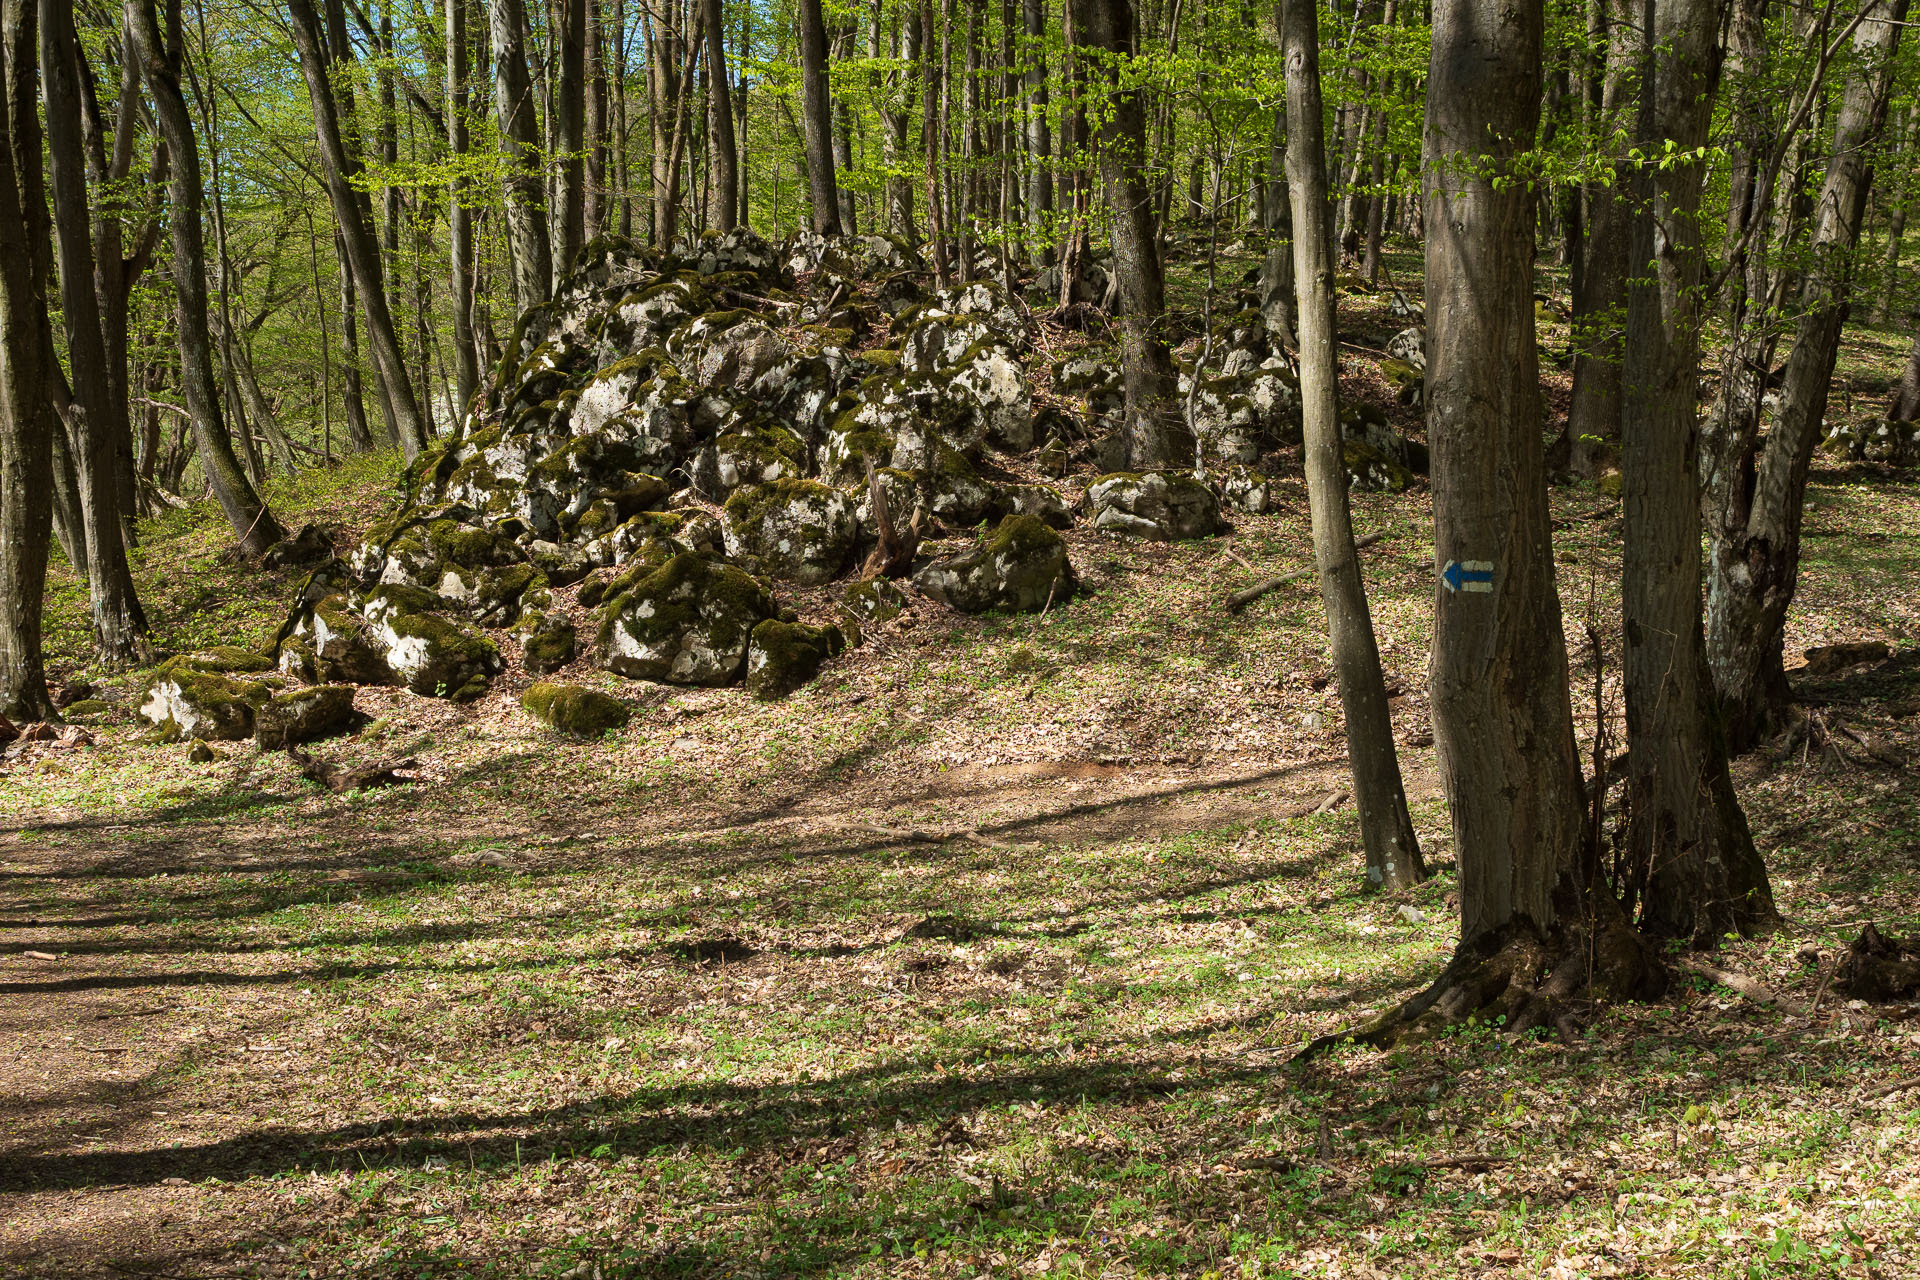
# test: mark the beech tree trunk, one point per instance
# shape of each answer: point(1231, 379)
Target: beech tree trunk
point(1905, 404)
point(1154, 436)
point(253, 524)
point(26, 417)
point(352, 215)
point(1754, 534)
point(1393, 852)
point(1690, 864)
point(1500, 697)
point(1600, 296)
point(529, 253)
point(723, 209)
point(466, 363)
point(1033, 15)
point(120, 633)
point(817, 115)
point(569, 133)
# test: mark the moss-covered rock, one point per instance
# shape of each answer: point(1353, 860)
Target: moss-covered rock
point(1369, 468)
point(182, 701)
point(1022, 566)
point(880, 600)
point(229, 659)
point(433, 655)
point(754, 453)
point(304, 714)
point(548, 649)
point(329, 644)
point(799, 530)
point(782, 656)
point(87, 710)
point(574, 709)
point(1165, 505)
point(687, 621)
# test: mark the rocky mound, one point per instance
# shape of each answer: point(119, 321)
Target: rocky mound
point(688, 436)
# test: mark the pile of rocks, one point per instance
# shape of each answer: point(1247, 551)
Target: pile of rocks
point(681, 437)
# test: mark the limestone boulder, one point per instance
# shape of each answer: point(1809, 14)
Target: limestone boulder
point(686, 621)
point(431, 654)
point(782, 656)
point(574, 709)
point(1169, 506)
point(302, 715)
point(793, 529)
point(1020, 567)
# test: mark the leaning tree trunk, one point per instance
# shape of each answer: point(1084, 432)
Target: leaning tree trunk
point(1393, 852)
point(1600, 297)
point(1755, 536)
point(817, 117)
point(530, 256)
point(724, 162)
point(26, 420)
point(252, 522)
point(342, 169)
point(120, 633)
point(1689, 863)
point(1154, 437)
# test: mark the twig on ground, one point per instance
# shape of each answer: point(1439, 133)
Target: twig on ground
point(936, 835)
point(1247, 595)
point(1764, 996)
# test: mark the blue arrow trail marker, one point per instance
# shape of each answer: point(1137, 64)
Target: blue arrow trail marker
point(1470, 575)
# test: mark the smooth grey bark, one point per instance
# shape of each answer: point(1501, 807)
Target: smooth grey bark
point(817, 117)
point(1899, 196)
point(723, 160)
point(1904, 406)
point(253, 524)
point(1501, 715)
point(1033, 14)
point(529, 254)
point(1154, 436)
point(353, 395)
point(26, 417)
point(897, 115)
point(1690, 866)
point(466, 362)
point(569, 133)
point(120, 633)
point(1386, 828)
point(1600, 295)
point(351, 213)
point(1754, 526)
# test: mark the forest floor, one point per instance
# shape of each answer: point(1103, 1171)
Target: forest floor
point(690, 1001)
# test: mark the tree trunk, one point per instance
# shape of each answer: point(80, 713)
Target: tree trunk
point(1500, 695)
point(1393, 852)
point(120, 633)
point(1039, 136)
point(1755, 551)
point(724, 207)
point(1154, 438)
point(569, 132)
point(529, 253)
point(931, 75)
point(352, 393)
point(595, 193)
point(1900, 195)
point(466, 363)
point(252, 522)
point(342, 169)
point(1905, 404)
point(1690, 864)
point(26, 420)
point(1600, 301)
point(817, 112)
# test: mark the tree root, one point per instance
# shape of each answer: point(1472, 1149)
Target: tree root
point(1519, 980)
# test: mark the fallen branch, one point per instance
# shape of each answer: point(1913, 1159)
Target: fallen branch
point(934, 835)
point(1472, 1161)
point(1888, 1090)
point(1247, 595)
point(1764, 996)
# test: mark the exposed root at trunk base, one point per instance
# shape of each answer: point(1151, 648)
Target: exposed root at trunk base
point(1519, 979)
